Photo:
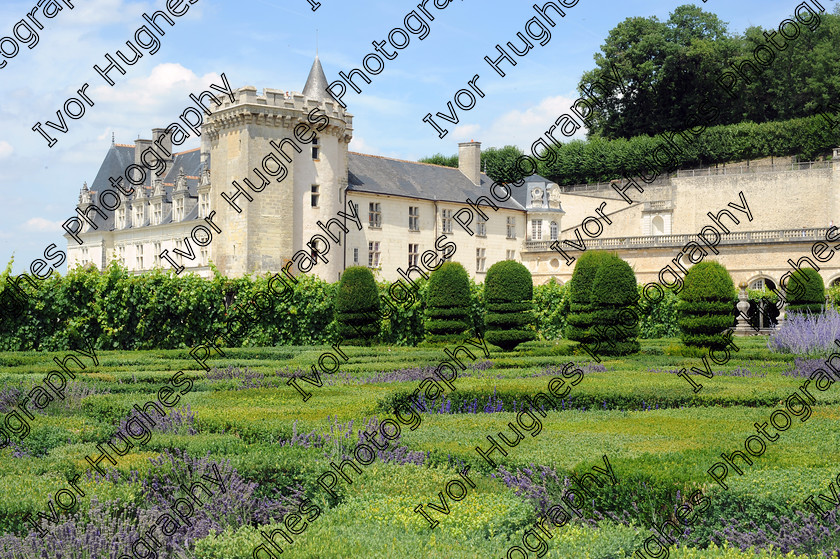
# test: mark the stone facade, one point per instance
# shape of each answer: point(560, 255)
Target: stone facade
point(410, 209)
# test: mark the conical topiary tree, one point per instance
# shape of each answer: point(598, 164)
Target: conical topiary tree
point(614, 294)
point(448, 304)
point(357, 306)
point(707, 304)
point(581, 318)
point(805, 292)
point(508, 296)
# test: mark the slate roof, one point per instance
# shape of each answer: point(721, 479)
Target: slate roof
point(120, 156)
point(521, 194)
point(381, 175)
point(316, 83)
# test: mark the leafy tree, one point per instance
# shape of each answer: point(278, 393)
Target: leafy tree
point(509, 293)
point(440, 159)
point(448, 305)
point(500, 163)
point(653, 76)
point(357, 306)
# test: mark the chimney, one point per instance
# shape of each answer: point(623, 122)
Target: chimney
point(469, 160)
point(164, 146)
point(139, 147)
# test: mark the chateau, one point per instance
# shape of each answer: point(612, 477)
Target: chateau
point(411, 215)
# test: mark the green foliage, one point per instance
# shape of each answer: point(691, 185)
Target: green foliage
point(602, 160)
point(614, 293)
point(357, 306)
point(581, 318)
point(448, 305)
point(500, 163)
point(440, 159)
point(805, 292)
point(551, 307)
point(508, 292)
point(671, 68)
point(706, 306)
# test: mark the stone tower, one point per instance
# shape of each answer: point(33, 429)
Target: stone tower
point(281, 218)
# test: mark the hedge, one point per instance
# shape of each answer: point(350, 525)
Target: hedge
point(614, 294)
point(448, 304)
point(805, 292)
point(581, 318)
point(707, 305)
point(600, 160)
point(114, 309)
point(509, 293)
point(357, 306)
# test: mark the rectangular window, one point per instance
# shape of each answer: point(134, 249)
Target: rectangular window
point(84, 258)
point(536, 229)
point(204, 204)
point(179, 244)
point(356, 256)
point(315, 149)
point(480, 259)
point(511, 228)
point(373, 254)
point(413, 218)
point(315, 195)
point(446, 221)
point(139, 215)
point(120, 220)
point(375, 215)
point(157, 214)
point(413, 254)
point(121, 254)
point(205, 258)
point(481, 227)
point(157, 255)
point(511, 255)
point(138, 254)
point(179, 210)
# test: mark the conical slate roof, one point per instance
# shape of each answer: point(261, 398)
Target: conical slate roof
point(316, 83)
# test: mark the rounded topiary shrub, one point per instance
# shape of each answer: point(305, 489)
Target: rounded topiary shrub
point(448, 304)
point(805, 292)
point(706, 307)
point(581, 318)
point(357, 306)
point(613, 296)
point(508, 296)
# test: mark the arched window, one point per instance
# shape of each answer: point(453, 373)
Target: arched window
point(835, 282)
point(762, 283)
point(657, 225)
point(553, 230)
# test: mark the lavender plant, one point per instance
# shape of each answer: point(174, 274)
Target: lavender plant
point(807, 335)
point(801, 534)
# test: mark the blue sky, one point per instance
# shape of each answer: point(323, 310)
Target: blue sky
point(271, 43)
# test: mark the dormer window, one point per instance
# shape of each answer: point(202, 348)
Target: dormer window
point(204, 204)
point(179, 210)
point(536, 198)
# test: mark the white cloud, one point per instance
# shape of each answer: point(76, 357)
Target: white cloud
point(6, 149)
point(155, 92)
point(520, 128)
point(40, 224)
